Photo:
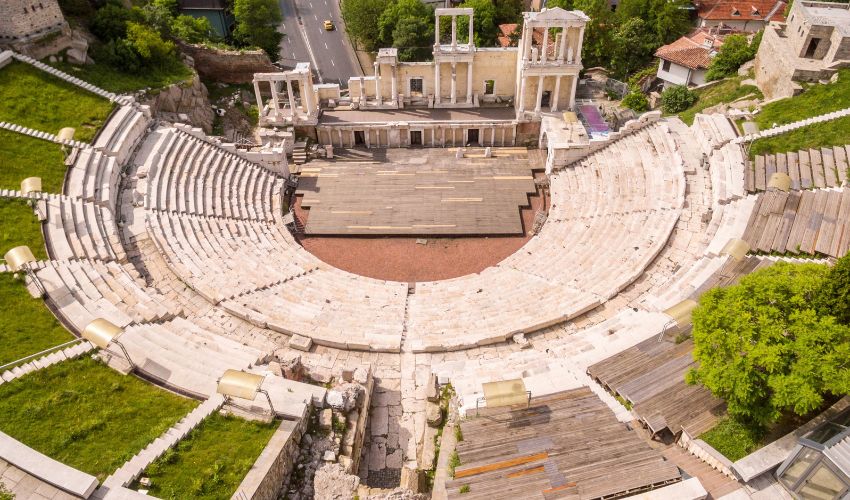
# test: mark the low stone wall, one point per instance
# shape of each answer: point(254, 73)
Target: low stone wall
point(269, 476)
point(228, 66)
point(706, 453)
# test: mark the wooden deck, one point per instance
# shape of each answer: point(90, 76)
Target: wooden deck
point(418, 192)
point(812, 168)
point(566, 445)
point(809, 222)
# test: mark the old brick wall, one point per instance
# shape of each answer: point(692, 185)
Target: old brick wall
point(24, 18)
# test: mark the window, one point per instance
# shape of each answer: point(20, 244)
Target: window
point(822, 484)
point(416, 85)
point(736, 12)
point(489, 87)
point(798, 467)
point(665, 65)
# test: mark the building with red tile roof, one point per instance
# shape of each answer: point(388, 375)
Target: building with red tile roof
point(741, 15)
point(685, 61)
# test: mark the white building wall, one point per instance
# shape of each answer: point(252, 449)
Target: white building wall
point(677, 75)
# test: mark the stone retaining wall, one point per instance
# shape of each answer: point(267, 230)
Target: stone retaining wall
point(228, 66)
point(269, 476)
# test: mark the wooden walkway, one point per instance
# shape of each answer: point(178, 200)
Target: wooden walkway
point(566, 445)
point(812, 168)
point(418, 192)
point(809, 222)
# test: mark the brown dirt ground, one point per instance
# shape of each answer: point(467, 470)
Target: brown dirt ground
point(402, 259)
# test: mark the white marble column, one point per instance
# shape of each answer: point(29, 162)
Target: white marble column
point(394, 84)
point(521, 101)
point(469, 83)
point(436, 30)
point(259, 96)
point(471, 34)
point(362, 81)
point(544, 53)
point(580, 43)
point(557, 92)
point(527, 35)
point(539, 99)
point(378, 82)
point(454, 81)
point(454, 32)
point(292, 106)
point(436, 83)
point(573, 92)
point(562, 51)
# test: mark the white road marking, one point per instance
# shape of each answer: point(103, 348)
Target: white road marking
point(326, 45)
point(332, 63)
point(314, 17)
point(283, 26)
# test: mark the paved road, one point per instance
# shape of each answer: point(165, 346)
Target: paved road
point(331, 53)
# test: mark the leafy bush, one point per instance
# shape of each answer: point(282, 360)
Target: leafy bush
point(110, 22)
point(192, 29)
point(635, 100)
point(834, 298)
point(734, 52)
point(150, 46)
point(733, 438)
point(677, 98)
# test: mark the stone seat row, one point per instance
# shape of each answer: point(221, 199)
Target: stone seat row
point(713, 131)
point(81, 230)
point(188, 175)
point(122, 132)
point(85, 290)
point(217, 257)
point(727, 166)
point(94, 177)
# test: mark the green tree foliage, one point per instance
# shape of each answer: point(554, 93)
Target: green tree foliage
point(360, 20)
point(635, 100)
point(159, 14)
point(149, 45)
point(508, 11)
point(677, 98)
point(110, 22)
point(484, 26)
point(408, 26)
point(664, 20)
point(632, 47)
point(192, 29)
point(834, 298)
point(597, 32)
point(564, 4)
point(734, 52)
point(6, 494)
point(256, 25)
point(763, 348)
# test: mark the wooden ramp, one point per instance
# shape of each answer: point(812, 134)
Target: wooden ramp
point(566, 445)
point(809, 222)
point(810, 168)
point(418, 192)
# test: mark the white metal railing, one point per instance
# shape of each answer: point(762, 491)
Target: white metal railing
point(38, 354)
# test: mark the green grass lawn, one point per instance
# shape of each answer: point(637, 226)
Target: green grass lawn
point(728, 90)
point(212, 460)
point(733, 439)
point(28, 326)
point(35, 99)
point(22, 156)
point(119, 81)
point(86, 415)
point(831, 133)
point(20, 226)
point(816, 100)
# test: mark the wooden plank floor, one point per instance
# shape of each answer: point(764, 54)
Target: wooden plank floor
point(566, 445)
point(418, 192)
point(812, 168)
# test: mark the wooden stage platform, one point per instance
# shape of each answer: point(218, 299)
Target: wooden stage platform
point(418, 192)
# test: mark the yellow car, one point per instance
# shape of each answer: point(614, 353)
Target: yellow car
point(329, 25)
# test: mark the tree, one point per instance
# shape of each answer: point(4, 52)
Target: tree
point(765, 350)
point(834, 298)
point(256, 25)
point(597, 32)
point(192, 29)
point(408, 26)
point(677, 99)
point(360, 20)
point(159, 14)
point(508, 11)
point(564, 4)
point(665, 20)
point(734, 52)
point(110, 22)
point(484, 27)
point(632, 47)
point(150, 46)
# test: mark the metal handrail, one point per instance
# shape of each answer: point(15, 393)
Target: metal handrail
point(665, 328)
point(46, 351)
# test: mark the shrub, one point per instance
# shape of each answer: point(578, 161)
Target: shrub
point(834, 297)
point(636, 101)
point(192, 29)
point(152, 49)
point(734, 52)
point(677, 99)
point(110, 22)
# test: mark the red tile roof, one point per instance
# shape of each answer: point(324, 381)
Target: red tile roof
point(741, 10)
point(692, 51)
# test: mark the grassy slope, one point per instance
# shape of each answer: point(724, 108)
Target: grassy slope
point(816, 100)
point(87, 415)
point(732, 439)
point(212, 461)
point(22, 156)
point(726, 91)
point(120, 81)
point(31, 329)
point(35, 99)
point(20, 226)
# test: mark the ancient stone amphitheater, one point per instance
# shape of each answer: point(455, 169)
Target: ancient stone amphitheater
point(179, 241)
